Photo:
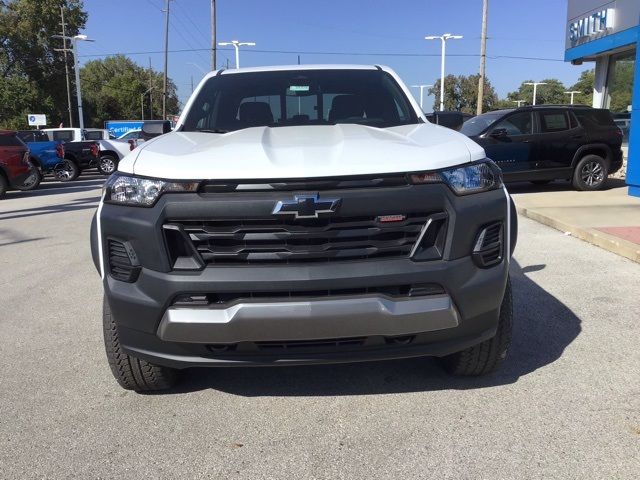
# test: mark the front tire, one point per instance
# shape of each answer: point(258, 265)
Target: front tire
point(107, 164)
point(67, 171)
point(32, 182)
point(487, 356)
point(130, 372)
point(590, 173)
point(4, 186)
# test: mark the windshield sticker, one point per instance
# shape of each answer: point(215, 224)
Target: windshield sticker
point(299, 88)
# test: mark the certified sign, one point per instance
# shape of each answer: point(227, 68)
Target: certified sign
point(37, 119)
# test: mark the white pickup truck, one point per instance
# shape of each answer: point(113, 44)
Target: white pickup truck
point(111, 151)
point(303, 214)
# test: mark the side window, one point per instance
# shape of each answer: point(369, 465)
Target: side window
point(93, 135)
point(63, 135)
point(553, 122)
point(9, 141)
point(516, 124)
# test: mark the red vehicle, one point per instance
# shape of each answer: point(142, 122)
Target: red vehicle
point(15, 167)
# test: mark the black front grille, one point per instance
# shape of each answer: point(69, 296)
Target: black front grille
point(304, 240)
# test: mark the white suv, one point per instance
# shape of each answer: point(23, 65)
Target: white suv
point(303, 214)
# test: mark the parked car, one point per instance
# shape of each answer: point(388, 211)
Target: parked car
point(550, 142)
point(80, 154)
point(112, 151)
point(15, 167)
point(304, 214)
point(45, 155)
point(77, 134)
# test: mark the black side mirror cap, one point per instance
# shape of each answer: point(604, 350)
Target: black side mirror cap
point(452, 120)
point(499, 133)
point(154, 129)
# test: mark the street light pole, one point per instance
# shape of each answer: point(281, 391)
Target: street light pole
point(483, 56)
point(236, 44)
point(572, 93)
point(421, 87)
point(166, 61)
point(519, 102)
point(535, 88)
point(443, 39)
point(74, 50)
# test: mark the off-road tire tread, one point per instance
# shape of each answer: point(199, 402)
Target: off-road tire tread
point(487, 356)
point(132, 373)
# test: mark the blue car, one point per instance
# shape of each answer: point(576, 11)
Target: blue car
point(46, 155)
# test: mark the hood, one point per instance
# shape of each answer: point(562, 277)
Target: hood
point(301, 152)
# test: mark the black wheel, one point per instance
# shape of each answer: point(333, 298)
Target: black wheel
point(66, 171)
point(132, 373)
point(4, 186)
point(487, 356)
point(590, 173)
point(107, 164)
point(541, 182)
point(33, 180)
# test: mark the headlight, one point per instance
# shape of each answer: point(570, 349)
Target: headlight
point(466, 179)
point(141, 192)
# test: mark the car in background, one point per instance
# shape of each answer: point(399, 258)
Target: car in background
point(623, 120)
point(550, 142)
point(76, 134)
point(131, 135)
point(47, 156)
point(15, 167)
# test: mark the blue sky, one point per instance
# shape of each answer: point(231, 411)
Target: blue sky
point(375, 27)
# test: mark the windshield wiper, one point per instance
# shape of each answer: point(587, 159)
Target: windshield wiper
point(213, 130)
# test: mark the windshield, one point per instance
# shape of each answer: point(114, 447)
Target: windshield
point(476, 125)
point(303, 97)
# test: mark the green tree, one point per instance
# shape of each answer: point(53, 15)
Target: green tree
point(584, 85)
point(112, 88)
point(31, 71)
point(551, 93)
point(461, 94)
point(621, 85)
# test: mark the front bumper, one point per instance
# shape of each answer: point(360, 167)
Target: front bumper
point(274, 329)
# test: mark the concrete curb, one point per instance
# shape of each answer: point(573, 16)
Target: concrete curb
point(603, 240)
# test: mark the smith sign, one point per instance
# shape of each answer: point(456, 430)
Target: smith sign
point(591, 25)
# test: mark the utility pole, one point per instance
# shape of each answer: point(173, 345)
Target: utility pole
point(236, 44)
point(572, 93)
point(74, 50)
point(443, 39)
point(483, 56)
point(191, 83)
point(66, 66)
point(213, 35)
point(421, 87)
point(535, 88)
point(150, 90)
point(166, 59)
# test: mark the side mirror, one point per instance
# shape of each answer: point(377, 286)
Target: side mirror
point(155, 129)
point(452, 120)
point(499, 133)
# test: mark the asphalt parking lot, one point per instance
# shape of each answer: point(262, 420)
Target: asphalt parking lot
point(566, 405)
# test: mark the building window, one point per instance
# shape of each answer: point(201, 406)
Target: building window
point(620, 81)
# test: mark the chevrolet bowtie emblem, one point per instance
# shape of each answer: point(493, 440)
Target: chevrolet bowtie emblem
point(306, 206)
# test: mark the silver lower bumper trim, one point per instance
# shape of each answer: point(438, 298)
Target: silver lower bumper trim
point(308, 320)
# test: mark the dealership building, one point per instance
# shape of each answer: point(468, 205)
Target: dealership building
point(608, 33)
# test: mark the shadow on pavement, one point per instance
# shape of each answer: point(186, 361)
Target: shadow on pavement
point(557, 186)
point(543, 328)
point(77, 204)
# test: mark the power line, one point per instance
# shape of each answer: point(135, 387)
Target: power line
point(367, 54)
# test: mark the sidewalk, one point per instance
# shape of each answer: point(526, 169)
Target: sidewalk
point(609, 218)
